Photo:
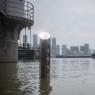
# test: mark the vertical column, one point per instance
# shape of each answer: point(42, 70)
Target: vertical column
point(44, 55)
point(8, 41)
point(45, 87)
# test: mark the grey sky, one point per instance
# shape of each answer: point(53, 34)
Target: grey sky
point(72, 22)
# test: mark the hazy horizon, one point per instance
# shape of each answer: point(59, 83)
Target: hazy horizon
point(70, 21)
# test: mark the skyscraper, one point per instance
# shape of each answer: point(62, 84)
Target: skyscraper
point(53, 42)
point(64, 50)
point(25, 42)
point(24, 39)
point(85, 49)
point(35, 41)
point(74, 50)
point(53, 48)
point(57, 50)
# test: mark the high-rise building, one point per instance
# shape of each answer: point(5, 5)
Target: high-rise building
point(85, 49)
point(35, 41)
point(53, 47)
point(64, 50)
point(24, 39)
point(53, 42)
point(74, 50)
point(57, 50)
point(82, 49)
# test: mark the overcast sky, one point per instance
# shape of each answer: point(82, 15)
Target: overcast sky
point(72, 22)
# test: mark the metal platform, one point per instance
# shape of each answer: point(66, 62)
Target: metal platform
point(11, 10)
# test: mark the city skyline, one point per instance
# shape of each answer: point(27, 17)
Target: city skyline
point(57, 49)
point(71, 23)
point(28, 40)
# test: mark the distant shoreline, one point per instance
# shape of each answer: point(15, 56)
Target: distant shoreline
point(73, 57)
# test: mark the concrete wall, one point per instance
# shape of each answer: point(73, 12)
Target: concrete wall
point(15, 8)
point(8, 42)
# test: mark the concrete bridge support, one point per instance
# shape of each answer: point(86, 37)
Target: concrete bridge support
point(9, 34)
point(14, 16)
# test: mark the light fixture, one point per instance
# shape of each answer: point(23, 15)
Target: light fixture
point(44, 35)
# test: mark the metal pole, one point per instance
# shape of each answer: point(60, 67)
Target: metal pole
point(30, 37)
point(25, 30)
point(45, 55)
point(20, 39)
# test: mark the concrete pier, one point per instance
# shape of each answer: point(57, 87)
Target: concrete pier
point(9, 32)
point(10, 26)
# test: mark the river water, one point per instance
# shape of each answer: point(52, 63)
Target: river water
point(68, 76)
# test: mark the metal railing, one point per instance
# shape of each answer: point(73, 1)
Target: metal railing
point(14, 9)
point(3, 6)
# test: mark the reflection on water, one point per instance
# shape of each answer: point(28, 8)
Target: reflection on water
point(67, 77)
point(44, 74)
point(28, 75)
point(45, 87)
point(8, 79)
point(73, 77)
point(72, 68)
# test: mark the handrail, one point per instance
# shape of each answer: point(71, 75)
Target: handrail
point(26, 12)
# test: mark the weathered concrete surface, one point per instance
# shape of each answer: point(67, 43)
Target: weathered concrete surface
point(9, 34)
